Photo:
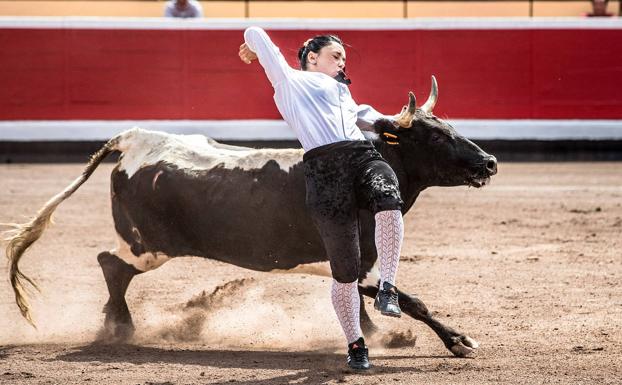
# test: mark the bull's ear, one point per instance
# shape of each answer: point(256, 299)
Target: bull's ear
point(383, 125)
point(387, 131)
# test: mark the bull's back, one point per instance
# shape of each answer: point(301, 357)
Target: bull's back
point(255, 218)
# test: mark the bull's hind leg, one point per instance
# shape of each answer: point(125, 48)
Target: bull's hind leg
point(118, 324)
point(119, 267)
point(458, 343)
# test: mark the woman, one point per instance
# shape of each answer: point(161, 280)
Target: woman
point(343, 171)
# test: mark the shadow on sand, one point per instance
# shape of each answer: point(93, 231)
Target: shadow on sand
point(311, 367)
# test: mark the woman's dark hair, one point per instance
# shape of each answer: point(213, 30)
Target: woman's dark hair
point(315, 45)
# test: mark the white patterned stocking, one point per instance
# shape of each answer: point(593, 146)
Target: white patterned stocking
point(389, 236)
point(346, 301)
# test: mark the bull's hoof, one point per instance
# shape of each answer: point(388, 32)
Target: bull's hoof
point(464, 347)
point(114, 334)
point(116, 330)
point(124, 332)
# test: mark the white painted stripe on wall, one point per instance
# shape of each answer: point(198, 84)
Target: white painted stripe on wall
point(75, 22)
point(539, 129)
point(75, 130)
point(105, 129)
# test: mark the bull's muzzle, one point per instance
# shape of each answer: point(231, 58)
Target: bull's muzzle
point(491, 165)
point(482, 171)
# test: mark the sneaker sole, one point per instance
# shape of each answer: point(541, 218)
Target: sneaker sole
point(387, 313)
point(390, 314)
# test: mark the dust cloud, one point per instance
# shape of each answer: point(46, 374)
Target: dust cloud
point(241, 313)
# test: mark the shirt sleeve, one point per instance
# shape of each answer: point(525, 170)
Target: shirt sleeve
point(269, 55)
point(366, 116)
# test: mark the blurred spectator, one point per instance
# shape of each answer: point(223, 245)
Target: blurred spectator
point(599, 9)
point(183, 8)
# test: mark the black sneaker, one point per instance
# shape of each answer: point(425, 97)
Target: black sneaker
point(358, 356)
point(387, 301)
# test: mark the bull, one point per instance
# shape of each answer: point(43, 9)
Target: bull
point(188, 195)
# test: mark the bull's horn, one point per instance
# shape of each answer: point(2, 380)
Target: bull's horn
point(405, 118)
point(428, 106)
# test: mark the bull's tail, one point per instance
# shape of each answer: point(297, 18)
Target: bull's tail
point(22, 236)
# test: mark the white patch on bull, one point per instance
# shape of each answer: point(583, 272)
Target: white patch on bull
point(373, 276)
point(317, 268)
point(144, 262)
point(142, 148)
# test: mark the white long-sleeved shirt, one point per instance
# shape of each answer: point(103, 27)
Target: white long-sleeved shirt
point(318, 108)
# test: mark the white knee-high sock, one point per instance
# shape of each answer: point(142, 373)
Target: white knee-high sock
point(389, 236)
point(346, 301)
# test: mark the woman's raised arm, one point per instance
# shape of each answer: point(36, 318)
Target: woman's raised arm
point(270, 57)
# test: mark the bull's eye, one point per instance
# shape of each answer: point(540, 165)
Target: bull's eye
point(435, 138)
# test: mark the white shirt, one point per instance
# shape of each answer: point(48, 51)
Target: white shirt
point(192, 9)
point(318, 108)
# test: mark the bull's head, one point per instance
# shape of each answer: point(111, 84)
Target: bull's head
point(431, 150)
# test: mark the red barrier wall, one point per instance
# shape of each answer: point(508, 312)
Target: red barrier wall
point(196, 74)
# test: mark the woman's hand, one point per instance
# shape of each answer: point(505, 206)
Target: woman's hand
point(246, 55)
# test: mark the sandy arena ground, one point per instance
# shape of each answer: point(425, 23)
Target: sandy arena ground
point(530, 267)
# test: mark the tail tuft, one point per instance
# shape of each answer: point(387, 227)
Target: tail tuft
point(22, 236)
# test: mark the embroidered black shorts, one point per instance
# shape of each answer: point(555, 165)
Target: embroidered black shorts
point(343, 178)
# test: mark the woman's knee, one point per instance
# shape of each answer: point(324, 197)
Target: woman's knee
point(391, 202)
point(345, 273)
point(345, 278)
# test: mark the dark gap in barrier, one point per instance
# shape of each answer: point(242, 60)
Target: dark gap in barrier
point(504, 150)
point(553, 150)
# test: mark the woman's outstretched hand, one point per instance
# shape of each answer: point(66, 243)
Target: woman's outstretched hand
point(246, 55)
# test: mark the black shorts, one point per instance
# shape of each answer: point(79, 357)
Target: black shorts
point(343, 178)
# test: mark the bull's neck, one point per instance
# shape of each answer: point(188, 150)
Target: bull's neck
point(410, 185)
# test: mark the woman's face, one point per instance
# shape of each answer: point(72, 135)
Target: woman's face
point(330, 60)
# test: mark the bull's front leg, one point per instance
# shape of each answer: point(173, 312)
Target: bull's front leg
point(459, 344)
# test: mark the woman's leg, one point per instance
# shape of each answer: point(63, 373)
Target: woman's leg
point(341, 241)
